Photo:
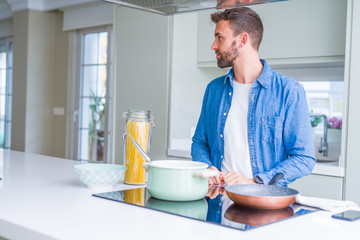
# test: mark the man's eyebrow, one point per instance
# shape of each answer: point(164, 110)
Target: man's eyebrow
point(217, 34)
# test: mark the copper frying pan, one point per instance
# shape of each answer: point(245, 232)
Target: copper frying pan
point(262, 196)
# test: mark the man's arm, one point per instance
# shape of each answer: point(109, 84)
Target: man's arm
point(200, 150)
point(298, 141)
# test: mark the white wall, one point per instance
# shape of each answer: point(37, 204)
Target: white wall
point(40, 82)
point(6, 28)
point(33, 81)
point(142, 50)
point(188, 82)
point(20, 41)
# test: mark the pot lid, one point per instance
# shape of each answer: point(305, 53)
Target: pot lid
point(170, 7)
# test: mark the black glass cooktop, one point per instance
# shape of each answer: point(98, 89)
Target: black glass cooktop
point(215, 208)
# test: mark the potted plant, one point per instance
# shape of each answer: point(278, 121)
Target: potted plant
point(334, 129)
point(315, 121)
point(96, 133)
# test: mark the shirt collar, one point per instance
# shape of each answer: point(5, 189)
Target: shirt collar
point(230, 77)
point(264, 77)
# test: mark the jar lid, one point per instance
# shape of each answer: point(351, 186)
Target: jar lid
point(140, 114)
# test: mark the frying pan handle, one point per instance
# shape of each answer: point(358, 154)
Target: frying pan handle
point(206, 173)
point(276, 178)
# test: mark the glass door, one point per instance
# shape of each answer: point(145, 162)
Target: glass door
point(93, 96)
point(5, 92)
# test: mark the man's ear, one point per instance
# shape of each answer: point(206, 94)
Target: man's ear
point(243, 39)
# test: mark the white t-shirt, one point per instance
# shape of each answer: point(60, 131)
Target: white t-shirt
point(236, 147)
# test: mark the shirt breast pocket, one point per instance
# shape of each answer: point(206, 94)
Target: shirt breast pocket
point(272, 129)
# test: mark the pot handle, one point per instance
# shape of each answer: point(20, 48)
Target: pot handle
point(146, 166)
point(206, 173)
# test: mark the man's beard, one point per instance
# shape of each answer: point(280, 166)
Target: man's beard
point(227, 58)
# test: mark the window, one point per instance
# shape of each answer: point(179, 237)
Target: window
point(325, 97)
point(5, 92)
point(93, 95)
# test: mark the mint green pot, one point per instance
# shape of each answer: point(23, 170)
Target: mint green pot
point(178, 180)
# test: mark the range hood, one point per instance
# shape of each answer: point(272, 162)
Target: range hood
point(170, 7)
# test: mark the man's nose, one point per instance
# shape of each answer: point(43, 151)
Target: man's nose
point(214, 46)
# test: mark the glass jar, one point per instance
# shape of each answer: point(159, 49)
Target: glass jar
point(138, 125)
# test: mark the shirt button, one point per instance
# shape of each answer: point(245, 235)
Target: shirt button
point(222, 156)
point(229, 93)
point(224, 114)
point(221, 135)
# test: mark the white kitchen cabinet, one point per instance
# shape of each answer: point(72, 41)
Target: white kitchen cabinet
point(295, 32)
point(352, 77)
point(205, 39)
point(321, 186)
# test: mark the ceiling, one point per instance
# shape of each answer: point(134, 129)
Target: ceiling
point(7, 7)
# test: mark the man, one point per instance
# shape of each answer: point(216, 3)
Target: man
point(254, 121)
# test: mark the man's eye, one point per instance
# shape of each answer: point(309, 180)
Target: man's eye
point(219, 37)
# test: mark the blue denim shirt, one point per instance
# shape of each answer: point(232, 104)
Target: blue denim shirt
point(279, 130)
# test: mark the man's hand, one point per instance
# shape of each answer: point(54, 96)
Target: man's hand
point(214, 191)
point(234, 177)
point(218, 180)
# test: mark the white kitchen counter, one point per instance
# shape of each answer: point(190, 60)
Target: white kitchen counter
point(42, 198)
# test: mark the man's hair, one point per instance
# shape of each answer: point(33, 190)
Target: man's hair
point(242, 20)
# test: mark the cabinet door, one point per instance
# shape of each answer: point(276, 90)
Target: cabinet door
point(303, 28)
point(205, 38)
point(319, 186)
point(296, 29)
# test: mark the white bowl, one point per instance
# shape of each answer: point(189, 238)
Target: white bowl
point(100, 175)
